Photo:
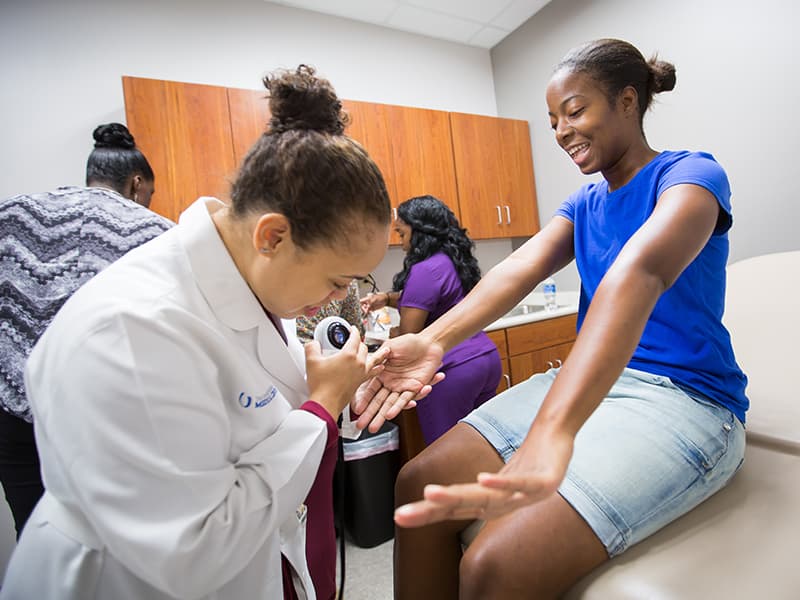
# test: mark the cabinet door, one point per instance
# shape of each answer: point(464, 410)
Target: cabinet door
point(517, 184)
point(422, 154)
point(539, 361)
point(505, 380)
point(498, 337)
point(249, 113)
point(494, 170)
point(184, 131)
point(369, 125)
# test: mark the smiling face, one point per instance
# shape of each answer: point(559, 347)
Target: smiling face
point(596, 133)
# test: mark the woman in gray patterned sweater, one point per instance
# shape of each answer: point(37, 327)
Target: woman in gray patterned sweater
point(51, 243)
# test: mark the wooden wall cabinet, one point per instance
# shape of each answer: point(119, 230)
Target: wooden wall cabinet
point(195, 137)
point(423, 157)
point(494, 170)
point(249, 116)
point(369, 125)
point(411, 146)
point(184, 130)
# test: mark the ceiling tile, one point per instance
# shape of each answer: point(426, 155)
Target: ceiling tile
point(370, 11)
point(409, 18)
point(488, 37)
point(474, 22)
point(517, 12)
point(479, 11)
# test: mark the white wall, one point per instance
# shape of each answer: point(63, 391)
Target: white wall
point(63, 62)
point(736, 96)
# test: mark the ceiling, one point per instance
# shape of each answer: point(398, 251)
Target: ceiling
point(478, 23)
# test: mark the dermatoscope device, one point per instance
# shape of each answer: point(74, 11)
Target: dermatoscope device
point(332, 333)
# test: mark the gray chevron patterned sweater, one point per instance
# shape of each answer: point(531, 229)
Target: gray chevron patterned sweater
point(50, 244)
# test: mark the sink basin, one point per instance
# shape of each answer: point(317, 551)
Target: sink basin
point(524, 309)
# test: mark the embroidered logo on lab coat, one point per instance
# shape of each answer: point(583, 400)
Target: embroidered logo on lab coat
point(246, 401)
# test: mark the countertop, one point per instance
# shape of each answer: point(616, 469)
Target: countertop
point(567, 302)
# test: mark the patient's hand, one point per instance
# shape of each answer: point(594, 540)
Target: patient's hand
point(408, 375)
point(533, 474)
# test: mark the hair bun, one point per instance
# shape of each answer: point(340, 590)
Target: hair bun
point(663, 75)
point(300, 100)
point(113, 135)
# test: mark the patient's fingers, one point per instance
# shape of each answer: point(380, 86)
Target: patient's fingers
point(459, 502)
point(396, 403)
point(369, 411)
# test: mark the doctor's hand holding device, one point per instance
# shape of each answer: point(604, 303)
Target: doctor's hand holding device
point(332, 333)
point(338, 365)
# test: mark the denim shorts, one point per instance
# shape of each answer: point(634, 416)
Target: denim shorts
point(649, 453)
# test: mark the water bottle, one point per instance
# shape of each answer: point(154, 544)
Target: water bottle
point(549, 287)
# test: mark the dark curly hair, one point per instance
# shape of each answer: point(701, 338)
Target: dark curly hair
point(305, 168)
point(115, 158)
point(617, 64)
point(434, 228)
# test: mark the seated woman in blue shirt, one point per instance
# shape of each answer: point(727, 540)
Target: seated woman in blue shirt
point(643, 421)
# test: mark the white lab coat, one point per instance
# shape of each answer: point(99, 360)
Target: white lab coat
point(174, 463)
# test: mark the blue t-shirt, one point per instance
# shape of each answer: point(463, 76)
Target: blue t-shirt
point(433, 285)
point(684, 338)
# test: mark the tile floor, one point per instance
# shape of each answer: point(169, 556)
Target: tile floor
point(368, 572)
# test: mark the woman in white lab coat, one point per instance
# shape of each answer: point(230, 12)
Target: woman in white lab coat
point(178, 432)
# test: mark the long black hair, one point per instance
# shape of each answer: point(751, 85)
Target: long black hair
point(434, 228)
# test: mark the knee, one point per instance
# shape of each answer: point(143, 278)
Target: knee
point(411, 481)
point(491, 570)
point(429, 466)
point(481, 573)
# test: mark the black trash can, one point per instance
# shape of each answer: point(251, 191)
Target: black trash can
point(369, 469)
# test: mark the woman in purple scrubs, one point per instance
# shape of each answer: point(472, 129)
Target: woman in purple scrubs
point(438, 271)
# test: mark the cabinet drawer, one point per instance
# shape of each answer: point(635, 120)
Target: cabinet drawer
point(524, 365)
point(540, 334)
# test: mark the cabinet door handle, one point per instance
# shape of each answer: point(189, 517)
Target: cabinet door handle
point(499, 216)
point(508, 214)
point(507, 377)
point(558, 360)
point(394, 214)
point(550, 364)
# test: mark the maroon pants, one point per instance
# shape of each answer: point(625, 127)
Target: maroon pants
point(320, 533)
